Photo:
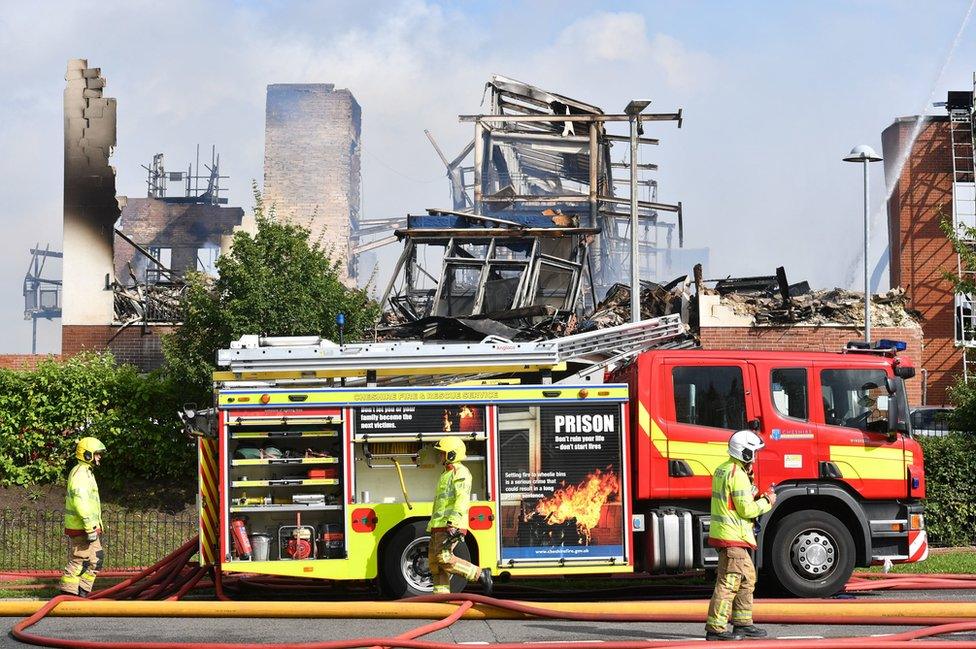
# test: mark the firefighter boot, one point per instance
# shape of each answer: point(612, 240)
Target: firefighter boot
point(719, 635)
point(487, 581)
point(83, 593)
point(748, 631)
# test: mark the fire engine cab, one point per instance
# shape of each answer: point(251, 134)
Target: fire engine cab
point(591, 454)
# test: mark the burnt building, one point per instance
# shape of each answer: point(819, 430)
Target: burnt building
point(312, 163)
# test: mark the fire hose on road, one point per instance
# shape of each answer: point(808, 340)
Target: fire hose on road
point(174, 576)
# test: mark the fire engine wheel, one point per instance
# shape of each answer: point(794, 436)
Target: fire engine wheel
point(812, 554)
point(405, 571)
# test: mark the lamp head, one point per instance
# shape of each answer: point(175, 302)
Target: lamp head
point(862, 153)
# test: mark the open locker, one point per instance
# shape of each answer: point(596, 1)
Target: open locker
point(284, 484)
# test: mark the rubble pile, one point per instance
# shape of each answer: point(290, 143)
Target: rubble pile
point(144, 302)
point(656, 300)
point(821, 307)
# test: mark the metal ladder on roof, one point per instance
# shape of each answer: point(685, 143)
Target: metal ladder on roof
point(309, 354)
point(962, 134)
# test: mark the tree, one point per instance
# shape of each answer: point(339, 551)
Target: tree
point(275, 283)
point(962, 240)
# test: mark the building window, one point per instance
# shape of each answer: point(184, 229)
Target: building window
point(789, 391)
point(855, 399)
point(207, 260)
point(154, 273)
point(710, 396)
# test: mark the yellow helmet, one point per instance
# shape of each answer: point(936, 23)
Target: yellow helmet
point(453, 447)
point(87, 447)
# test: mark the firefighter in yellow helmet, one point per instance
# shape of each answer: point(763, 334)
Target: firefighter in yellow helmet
point(734, 509)
point(449, 520)
point(83, 520)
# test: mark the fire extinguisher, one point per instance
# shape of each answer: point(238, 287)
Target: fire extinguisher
point(242, 544)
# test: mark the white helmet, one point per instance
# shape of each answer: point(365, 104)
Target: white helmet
point(744, 444)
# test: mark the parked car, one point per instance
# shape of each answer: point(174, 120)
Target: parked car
point(930, 421)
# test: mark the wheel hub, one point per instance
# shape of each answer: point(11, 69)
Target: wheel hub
point(415, 566)
point(813, 553)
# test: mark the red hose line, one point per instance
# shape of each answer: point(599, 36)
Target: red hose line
point(190, 584)
point(132, 580)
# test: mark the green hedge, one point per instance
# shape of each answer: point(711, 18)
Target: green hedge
point(950, 474)
point(45, 411)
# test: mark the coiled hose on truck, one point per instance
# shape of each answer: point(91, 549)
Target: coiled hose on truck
point(174, 576)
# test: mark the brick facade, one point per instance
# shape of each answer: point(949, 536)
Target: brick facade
point(804, 338)
point(184, 228)
point(24, 361)
point(920, 251)
point(132, 345)
point(311, 161)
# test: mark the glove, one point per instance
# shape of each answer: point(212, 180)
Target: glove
point(454, 532)
point(93, 535)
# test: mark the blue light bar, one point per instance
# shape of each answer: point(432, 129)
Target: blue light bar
point(897, 345)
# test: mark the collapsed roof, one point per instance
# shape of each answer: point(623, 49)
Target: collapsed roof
point(536, 231)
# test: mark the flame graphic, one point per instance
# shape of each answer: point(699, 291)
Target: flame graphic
point(582, 502)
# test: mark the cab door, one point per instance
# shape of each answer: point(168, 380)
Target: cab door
point(783, 391)
point(854, 443)
point(708, 400)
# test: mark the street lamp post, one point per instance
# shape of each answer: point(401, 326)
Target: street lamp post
point(634, 109)
point(864, 154)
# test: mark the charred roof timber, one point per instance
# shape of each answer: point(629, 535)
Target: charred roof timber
point(536, 220)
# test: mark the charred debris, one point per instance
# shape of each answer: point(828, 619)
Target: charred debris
point(536, 243)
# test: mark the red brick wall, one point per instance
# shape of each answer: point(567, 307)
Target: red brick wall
point(920, 252)
point(814, 339)
point(24, 361)
point(132, 345)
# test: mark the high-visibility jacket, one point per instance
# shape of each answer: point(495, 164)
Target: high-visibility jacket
point(82, 506)
point(451, 498)
point(734, 507)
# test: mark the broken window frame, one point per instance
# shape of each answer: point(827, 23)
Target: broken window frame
point(458, 256)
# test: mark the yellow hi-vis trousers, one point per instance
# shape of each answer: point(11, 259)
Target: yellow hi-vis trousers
point(443, 563)
point(84, 561)
point(733, 590)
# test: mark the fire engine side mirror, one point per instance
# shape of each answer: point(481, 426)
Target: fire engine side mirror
point(890, 385)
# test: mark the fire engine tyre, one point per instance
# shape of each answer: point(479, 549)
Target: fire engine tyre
point(812, 554)
point(404, 571)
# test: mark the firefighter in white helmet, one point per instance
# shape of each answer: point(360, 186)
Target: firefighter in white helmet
point(83, 521)
point(449, 520)
point(734, 509)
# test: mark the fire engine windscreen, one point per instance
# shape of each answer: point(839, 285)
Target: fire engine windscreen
point(862, 399)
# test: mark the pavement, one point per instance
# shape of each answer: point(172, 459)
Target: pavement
point(463, 632)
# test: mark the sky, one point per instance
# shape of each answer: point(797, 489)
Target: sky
point(773, 95)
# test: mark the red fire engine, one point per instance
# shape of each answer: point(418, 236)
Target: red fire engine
point(317, 459)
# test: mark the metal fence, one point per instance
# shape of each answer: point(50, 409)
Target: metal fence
point(35, 540)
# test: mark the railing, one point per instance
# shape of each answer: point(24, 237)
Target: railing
point(34, 540)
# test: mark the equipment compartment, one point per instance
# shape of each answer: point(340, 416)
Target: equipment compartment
point(283, 476)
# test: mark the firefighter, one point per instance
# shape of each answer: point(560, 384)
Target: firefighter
point(448, 520)
point(734, 510)
point(83, 520)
